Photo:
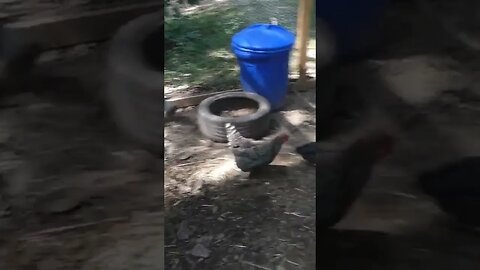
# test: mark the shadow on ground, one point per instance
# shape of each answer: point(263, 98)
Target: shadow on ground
point(264, 220)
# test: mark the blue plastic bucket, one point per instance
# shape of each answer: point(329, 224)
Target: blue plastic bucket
point(262, 52)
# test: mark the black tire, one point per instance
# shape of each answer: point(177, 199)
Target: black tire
point(135, 82)
point(255, 125)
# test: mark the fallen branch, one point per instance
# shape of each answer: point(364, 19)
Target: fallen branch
point(74, 227)
point(255, 265)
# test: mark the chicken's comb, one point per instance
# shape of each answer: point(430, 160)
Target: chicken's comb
point(284, 137)
point(383, 140)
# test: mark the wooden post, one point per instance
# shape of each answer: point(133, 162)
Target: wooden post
point(303, 26)
point(300, 15)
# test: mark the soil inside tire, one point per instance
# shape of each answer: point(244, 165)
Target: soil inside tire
point(234, 107)
point(238, 113)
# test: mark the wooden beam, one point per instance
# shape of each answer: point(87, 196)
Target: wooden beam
point(194, 100)
point(188, 101)
point(61, 31)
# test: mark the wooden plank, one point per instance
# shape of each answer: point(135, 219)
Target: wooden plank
point(195, 100)
point(61, 31)
point(188, 101)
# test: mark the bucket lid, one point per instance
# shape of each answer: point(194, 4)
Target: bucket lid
point(263, 37)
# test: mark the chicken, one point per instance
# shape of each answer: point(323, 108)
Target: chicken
point(342, 175)
point(456, 188)
point(310, 152)
point(252, 154)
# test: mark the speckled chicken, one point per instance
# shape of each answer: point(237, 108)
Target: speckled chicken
point(252, 154)
point(455, 187)
point(341, 176)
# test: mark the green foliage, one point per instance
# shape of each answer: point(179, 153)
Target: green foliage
point(200, 45)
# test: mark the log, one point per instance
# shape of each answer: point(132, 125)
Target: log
point(68, 30)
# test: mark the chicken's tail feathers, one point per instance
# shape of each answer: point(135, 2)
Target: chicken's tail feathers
point(229, 130)
point(229, 127)
point(231, 133)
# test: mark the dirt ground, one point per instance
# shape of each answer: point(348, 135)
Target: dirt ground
point(237, 219)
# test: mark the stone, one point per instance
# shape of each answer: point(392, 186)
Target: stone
point(200, 251)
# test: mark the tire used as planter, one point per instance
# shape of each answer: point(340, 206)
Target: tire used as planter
point(135, 80)
point(255, 125)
